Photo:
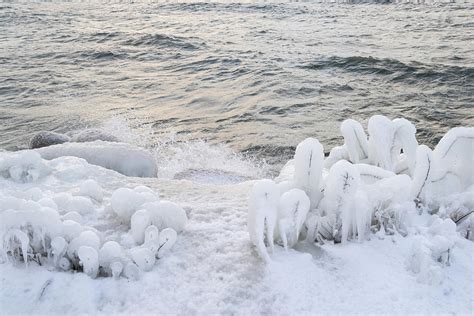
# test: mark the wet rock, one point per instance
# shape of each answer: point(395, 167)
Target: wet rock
point(92, 134)
point(44, 139)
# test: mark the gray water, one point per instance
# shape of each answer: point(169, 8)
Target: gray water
point(256, 77)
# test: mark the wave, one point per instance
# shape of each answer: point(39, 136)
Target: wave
point(161, 40)
point(396, 70)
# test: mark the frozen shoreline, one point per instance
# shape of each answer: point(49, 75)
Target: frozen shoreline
point(213, 267)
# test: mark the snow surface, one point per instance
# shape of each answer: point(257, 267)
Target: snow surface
point(213, 267)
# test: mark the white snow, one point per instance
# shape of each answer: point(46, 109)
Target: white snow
point(409, 260)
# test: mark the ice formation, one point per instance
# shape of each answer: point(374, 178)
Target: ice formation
point(80, 228)
point(383, 184)
point(123, 158)
point(293, 208)
point(262, 216)
point(309, 158)
point(22, 166)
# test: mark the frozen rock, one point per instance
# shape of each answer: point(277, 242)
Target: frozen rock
point(124, 158)
point(92, 134)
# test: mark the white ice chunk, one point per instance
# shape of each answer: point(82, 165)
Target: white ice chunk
point(355, 140)
point(73, 216)
point(138, 223)
point(405, 139)
point(92, 189)
point(86, 238)
point(423, 173)
point(309, 159)
point(337, 153)
point(370, 174)
point(167, 239)
point(455, 154)
point(124, 158)
point(109, 252)
point(381, 132)
point(125, 202)
point(89, 259)
point(23, 166)
point(71, 229)
point(80, 204)
point(58, 249)
point(143, 257)
point(152, 238)
point(293, 208)
point(131, 271)
point(262, 216)
point(167, 214)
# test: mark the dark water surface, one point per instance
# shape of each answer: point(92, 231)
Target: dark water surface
point(257, 77)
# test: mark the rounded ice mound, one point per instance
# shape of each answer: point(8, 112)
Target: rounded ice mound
point(44, 139)
point(24, 166)
point(125, 202)
point(91, 189)
point(32, 230)
point(93, 134)
point(89, 259)
point(124, 158)
point(144, 258)
point(166, 214)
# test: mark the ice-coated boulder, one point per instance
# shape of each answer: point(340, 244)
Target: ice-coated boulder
point(93, 134)
point(124, 158)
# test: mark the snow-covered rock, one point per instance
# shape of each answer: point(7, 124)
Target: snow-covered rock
point(121, 157)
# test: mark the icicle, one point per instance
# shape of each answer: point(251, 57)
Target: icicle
point(262, 216)
point(293, 208)
point(139, 221)
point(405, 138)
point(355, 140)
point(59, 247)
point(309, 160)
point(423, 172)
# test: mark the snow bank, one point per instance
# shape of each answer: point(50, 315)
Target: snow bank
point(84, 228)
point(124, 158)
point(385, 184)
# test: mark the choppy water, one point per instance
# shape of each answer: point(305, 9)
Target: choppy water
point(256, 77)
